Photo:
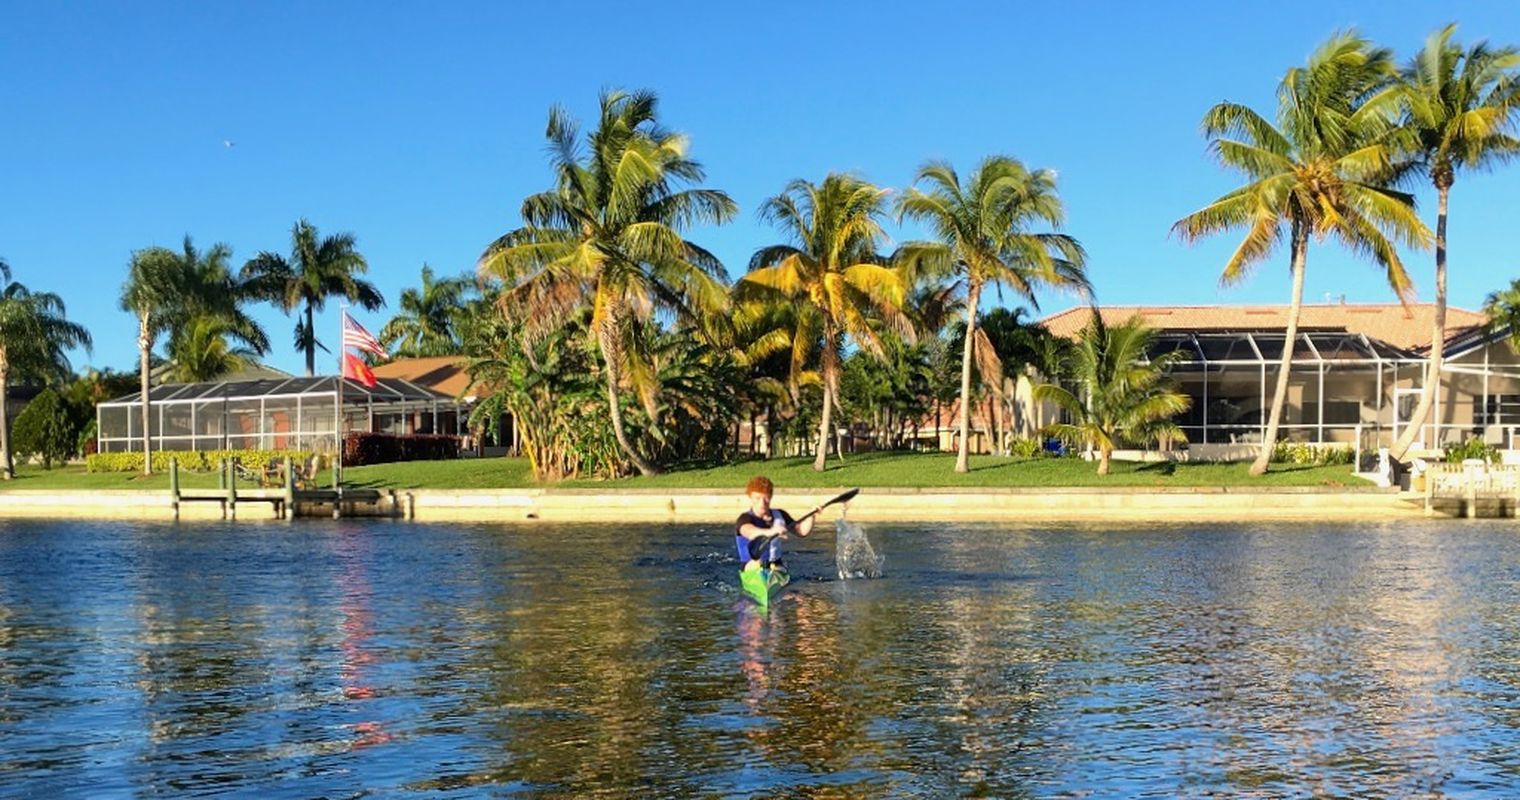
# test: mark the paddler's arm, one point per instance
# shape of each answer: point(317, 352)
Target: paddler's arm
point(805, 527)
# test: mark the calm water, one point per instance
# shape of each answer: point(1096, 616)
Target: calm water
point(338, 659)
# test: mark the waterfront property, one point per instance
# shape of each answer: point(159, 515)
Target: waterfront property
point(447, 375)
point(1356, 376)
point(272, 414)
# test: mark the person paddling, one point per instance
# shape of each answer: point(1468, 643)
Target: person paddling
point(758, 531)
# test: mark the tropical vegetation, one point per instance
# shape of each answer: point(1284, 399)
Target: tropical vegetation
point(1118, 392)
point(1460, 106)
point(1325, 169)
point(317, 269)
point(35, 335)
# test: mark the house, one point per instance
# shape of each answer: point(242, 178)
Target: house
point(1356, 376)
point(448, 375)
point(271, 414)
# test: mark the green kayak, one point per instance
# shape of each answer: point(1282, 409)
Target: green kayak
point(764, 583)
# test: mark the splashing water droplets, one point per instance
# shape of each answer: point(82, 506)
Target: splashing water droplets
point(853, 555)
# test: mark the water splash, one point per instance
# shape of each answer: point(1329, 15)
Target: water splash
point(853, 555)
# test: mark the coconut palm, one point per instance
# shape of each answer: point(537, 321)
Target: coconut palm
point(832, 276)
point(1503, 310)
point(154, 293)
point(1121, 393)
point(983, 225)
point(1461, 107)
point(609, 236)
point(1321, 171)
point(317, 268)
point(34, 338)
point(425, 324)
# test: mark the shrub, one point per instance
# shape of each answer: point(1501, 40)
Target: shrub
point(1306, 454)
point(195, 460)
point(384, 448)
point(1457, 453)
point(1026, 448)
point(45, 428)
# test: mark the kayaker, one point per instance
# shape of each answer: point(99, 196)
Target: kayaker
point(762, 521)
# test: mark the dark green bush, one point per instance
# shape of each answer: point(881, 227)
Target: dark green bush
point(44, 428)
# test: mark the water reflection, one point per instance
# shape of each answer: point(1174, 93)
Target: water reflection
point(320, 659)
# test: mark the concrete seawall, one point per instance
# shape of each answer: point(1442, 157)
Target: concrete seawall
point(649, 505)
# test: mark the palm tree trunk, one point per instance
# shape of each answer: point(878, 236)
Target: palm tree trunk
point(1437, 342)
point(1104, 454)
point(826, 423)
point(961, 458)
point(144, 344)
point(1280, 393)
point(8, 465)
point(311, 344)
point(611, 354)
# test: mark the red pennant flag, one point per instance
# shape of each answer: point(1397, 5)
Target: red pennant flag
point(356, 370)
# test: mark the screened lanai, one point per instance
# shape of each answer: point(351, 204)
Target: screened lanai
point(1343, 387)
point(272, 414)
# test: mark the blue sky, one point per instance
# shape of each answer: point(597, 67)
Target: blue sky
point(420, 128)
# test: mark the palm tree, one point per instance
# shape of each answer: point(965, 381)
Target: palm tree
point(211, 334)
point(205, 348)
point(154, 293)
point(1122, 392)
point(609, 236)
point(34, 338)
point(831, 274)
point(425, 326)
point(1460, 113)
point(1322, 171)
point(983, 225)
point(318, 268)
point(1503, 311)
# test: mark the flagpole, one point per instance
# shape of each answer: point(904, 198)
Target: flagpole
point(338, 407)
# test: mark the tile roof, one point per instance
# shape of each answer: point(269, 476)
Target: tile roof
point(1407, 328)
point(445, 374)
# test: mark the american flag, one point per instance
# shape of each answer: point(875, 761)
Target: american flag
point(355, 336)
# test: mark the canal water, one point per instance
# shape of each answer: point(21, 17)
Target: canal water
point(334, 659)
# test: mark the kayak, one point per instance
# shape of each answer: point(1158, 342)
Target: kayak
point(763, 584)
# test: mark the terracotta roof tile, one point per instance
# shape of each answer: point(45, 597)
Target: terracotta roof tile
point(1406, 328)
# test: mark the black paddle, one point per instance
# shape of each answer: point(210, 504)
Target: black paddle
point(758, 545)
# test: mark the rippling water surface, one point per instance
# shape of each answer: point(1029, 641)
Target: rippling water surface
point(330, 658)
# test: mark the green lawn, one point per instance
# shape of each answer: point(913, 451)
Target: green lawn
point(865, 469)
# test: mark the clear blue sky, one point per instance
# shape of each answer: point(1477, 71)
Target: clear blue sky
point(420, 129)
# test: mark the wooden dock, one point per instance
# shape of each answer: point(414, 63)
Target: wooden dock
point(287, 500)
point(1472, 486)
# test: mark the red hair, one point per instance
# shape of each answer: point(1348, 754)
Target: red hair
point(760, 483)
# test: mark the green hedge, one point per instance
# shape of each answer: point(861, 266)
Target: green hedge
point(1312, 454)
point(194, 460)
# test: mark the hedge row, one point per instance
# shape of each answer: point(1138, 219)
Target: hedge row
point(384, 448)
point(1311, 454)
point(193, 460)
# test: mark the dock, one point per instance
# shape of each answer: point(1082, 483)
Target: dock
point(1473, 487)
point(287, 500)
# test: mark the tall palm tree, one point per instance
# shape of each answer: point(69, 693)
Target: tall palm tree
point(832, 275)
point(34, 338)
point(154, 293)
point(318, 268)
point(609, 236)
point(1321, 171)
point(425, 324)
point(983, 225)
point(1460, 114)
point(1503, 310)
point(1122, 393)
